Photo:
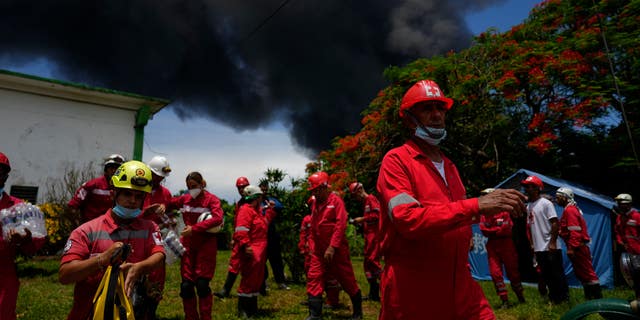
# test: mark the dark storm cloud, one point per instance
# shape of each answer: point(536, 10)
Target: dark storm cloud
point(315, 65)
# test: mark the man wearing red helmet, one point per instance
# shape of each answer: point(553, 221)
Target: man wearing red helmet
point(9, 248)
point(370, 220)
point(234, 260)
point(330, 252)
point(544, 227)
point(95, 196)
point(426, 220)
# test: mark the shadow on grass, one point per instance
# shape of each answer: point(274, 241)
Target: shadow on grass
point(31, 271)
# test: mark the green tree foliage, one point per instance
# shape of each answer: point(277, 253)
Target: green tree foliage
point(539, 96)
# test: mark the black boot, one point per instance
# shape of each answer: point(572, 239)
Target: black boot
point(592, 291)
point(374, 291)
point(253, 306)
point(315, 308)
point(244, 311)
point(226, 288)
point(356, 303)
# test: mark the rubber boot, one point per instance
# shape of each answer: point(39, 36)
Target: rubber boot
point(228, 285)
point(205, 304)
point(374, 290)
point(253, 306)
point(190, 308)
point(243, 307)
point(315, 308)
point(592, 291)
point(356, 303)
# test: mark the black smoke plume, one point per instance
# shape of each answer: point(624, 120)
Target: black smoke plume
point(314, 65)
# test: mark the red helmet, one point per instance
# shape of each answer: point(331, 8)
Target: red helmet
point(353, 187)
point(318, 179)
point(242, 182)
point(534, 181)
point(4, 161)
point(423, 90)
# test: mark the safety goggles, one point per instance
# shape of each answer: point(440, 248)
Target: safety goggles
point(140, 181)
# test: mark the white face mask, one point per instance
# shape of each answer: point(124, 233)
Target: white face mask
point(195, 192)
point(432, 136)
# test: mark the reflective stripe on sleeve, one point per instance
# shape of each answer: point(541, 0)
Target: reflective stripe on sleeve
point(575, 228)
point(242, 229)
point(401, 198)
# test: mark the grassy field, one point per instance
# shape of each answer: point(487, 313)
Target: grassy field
point(43, 297)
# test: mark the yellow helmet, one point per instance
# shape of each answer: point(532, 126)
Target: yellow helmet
point(133, 175)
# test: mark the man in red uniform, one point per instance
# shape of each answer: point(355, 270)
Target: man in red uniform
point(251, 237)
point(234, 260)
point(330, 253)
point(198, 263)
point(95, 196)
point(9, 248)
point(628, 233)
point(92, 245)
point(305, 245)
point(370, 220)
point(573, 230)
point(501, 252)
point(426, 220)
point(154, 210)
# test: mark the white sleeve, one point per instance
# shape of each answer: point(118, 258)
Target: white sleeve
point(550, 210)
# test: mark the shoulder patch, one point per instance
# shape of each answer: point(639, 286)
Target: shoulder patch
point(67, 246)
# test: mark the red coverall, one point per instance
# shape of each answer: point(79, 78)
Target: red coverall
point(331, 287)
point(501, 251)
point(328, 224)
point(251, 231)
point(97, 236)
point(234, 260)
point(160, 195)
point(8, 275)
point(198, 263)
point(573, 230)
point(93, 198)
point(370, 227)
point(426, 231)
point(628, 231)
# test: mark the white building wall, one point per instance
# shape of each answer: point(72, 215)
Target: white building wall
point(44, 136)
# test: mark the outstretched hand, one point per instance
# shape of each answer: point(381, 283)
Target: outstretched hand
point(500, 200)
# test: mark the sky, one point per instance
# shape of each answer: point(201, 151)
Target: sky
point(269, 101)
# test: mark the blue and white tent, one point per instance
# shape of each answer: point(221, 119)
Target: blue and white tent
point(597, 213)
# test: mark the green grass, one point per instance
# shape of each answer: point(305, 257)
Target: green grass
point(43, 297)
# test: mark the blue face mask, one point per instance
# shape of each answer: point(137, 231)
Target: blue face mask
point(432, 136)
point(126, 213)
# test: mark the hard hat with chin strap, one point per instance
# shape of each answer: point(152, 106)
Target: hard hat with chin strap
point(160, 166)
point(318, 179)
point(133, 175)
point(423, 90)
point(624, 198)
point(565, 192)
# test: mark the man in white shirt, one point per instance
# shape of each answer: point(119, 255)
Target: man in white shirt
point(543, 226)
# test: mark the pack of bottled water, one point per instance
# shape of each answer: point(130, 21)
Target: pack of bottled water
point(173, 248)
point(23, 216)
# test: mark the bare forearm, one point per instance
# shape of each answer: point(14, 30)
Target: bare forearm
point(78, 270)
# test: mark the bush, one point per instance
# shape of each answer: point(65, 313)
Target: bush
point(59, 226)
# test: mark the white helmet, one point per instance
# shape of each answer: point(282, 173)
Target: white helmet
point(206, 216)
point(565, 192)
point(624, 198)
point(115, 159)
point(160, 166)
point(251, 192)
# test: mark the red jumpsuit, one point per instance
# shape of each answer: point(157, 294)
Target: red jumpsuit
point(573, 230)
point(198, 263)
point(93, 198)
point(160, 195)
point(8, 275)
point(370, 227)
point(97, 236)
point(234, 260)
point(328, 224)
point(628, 231)
point(251, 231)
point(426, 231)
point(501, 251)
point(332, 287)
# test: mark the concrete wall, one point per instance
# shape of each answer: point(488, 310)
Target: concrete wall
point(45, 136)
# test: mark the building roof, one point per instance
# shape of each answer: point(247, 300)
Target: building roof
point(78, 92)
